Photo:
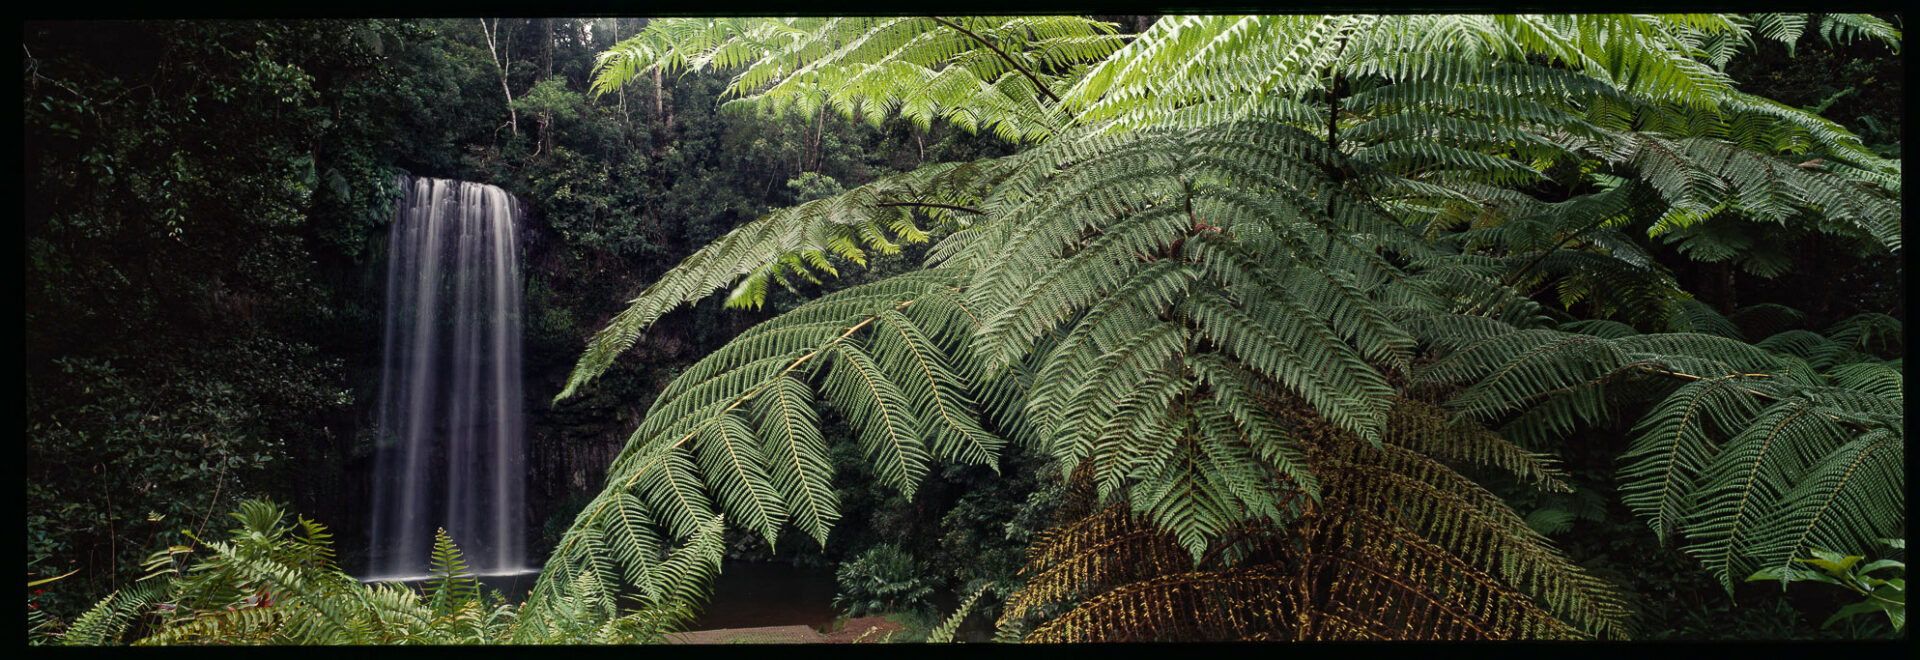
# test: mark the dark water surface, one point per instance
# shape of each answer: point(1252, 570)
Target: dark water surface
point(760, 594)
point(754, 594)
point(514, 585)
point(745, 595)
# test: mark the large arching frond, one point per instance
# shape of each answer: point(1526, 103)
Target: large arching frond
point(1745, 452)
point(998, 73)
point(796, 243)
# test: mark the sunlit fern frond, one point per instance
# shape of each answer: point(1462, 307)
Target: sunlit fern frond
point(795, 243)
point(253, 626)
point(1698, 176)
point(1228, 211)
point(452, 582)
point(275, 583)
point(319, 607)
point(1186, 60)
point(943, 633)
point(1171, 279)
point(578, 597)
point(737, 433)
point(998, 73)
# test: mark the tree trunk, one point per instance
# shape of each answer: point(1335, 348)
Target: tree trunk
point(622, 90)
point(546, 48)
point(660, 98)
point(495, 47)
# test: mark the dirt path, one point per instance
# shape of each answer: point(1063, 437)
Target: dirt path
point(864, 630)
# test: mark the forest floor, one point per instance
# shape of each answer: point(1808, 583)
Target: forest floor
point(864, 630)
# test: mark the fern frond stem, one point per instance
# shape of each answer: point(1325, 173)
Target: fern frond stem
point(950, 207)
point(1746, 489)
point(1384, 575)
point(216, 499)
point(1515, 276)
point(1003, 55)
point(1758, 393)
point(1688, 376)
point(1835, 493)
point(695, 431)
point(1334, 80)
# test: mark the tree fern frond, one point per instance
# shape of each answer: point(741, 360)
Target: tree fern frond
point(1736, 528)
point(1200, 287)
point(628, 531)
point(1429, 430)
point(796, 456)
point(731, 463)
point(1673, 444)
point(1869, 332)
point(774, 244)
point(888, 426)
point(1766, 319)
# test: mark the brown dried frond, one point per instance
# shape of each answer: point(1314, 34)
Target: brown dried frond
point(1399, 546)
point(1110, 547)
point(1378, 580)
point(1221, 605)
point(1444, 508)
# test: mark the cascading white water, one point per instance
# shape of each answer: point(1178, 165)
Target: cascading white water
point(451, 453)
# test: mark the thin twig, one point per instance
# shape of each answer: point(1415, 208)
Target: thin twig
point(216, 498)
point(950, 207)
point(1003, 55)
point(1770, 397)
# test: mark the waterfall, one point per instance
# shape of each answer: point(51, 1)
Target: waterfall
point(450, 451)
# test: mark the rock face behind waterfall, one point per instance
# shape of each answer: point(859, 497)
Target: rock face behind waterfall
point(451, 449)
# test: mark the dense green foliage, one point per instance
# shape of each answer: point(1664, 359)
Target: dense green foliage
point(184, 348)
point(882, 579)
point(275, 583)
point(1650, 247)
point(204, 264)
point(1234, 221)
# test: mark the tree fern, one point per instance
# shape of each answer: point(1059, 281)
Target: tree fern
point(1344, 213)
point(981, 72)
